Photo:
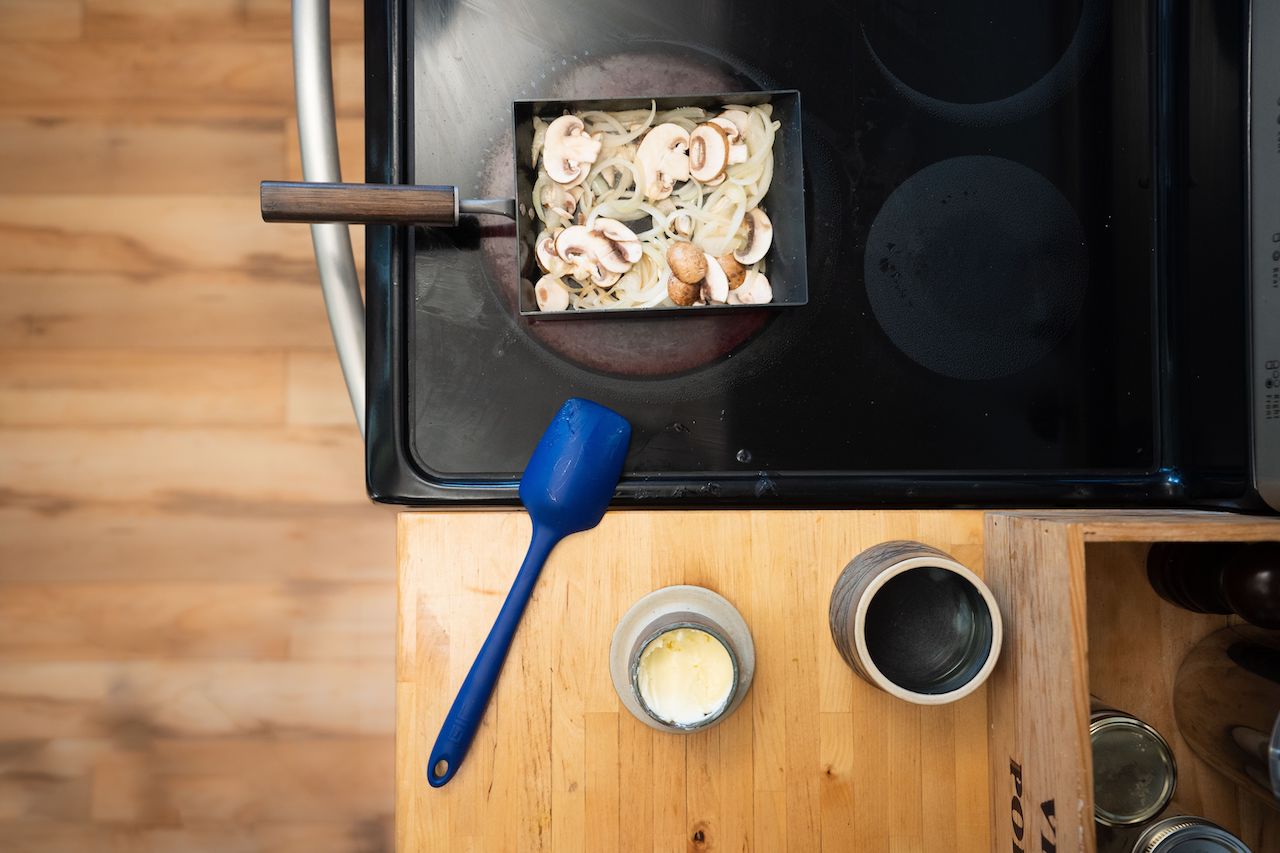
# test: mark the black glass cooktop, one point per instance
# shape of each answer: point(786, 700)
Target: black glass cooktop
point(980, 219)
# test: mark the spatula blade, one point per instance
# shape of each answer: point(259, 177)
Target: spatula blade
point(575, 468)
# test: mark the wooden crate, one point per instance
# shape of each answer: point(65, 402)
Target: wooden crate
point(1080, 618)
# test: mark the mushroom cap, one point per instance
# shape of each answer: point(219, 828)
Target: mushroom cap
point(621, 249)
point(561, 199)
point(591, 256)
point(708, 152)
point(756, 290)
point(567, 150)
point(662, 160)
point(737, 118)
point(551, 294)
point(759, 237)
point(733, 270)
point(576, 246)
point(605, 277)
point(715, 287)
point(545, 250)
point(687, 262)
point(730, 129)
point(573, 242)
point(682, 293)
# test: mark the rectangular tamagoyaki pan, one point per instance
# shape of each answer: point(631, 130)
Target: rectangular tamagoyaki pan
point(784, 203)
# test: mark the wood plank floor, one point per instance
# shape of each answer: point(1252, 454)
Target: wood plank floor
point(197, 601)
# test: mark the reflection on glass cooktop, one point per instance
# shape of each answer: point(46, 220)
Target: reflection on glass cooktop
point(969, 173)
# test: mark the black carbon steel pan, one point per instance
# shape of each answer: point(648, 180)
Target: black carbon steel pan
point(441, 205)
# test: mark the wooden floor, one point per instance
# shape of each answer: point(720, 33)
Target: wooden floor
point(197, 601)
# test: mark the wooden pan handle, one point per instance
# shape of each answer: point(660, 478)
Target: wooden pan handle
point(284, 201)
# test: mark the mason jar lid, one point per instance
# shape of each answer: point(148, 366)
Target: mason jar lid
point(1134, 773)
point(1188, 835)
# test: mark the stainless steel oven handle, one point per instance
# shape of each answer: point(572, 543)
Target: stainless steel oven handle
point(318, 139)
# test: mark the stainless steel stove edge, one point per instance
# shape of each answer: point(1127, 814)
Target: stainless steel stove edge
point(1264, 245)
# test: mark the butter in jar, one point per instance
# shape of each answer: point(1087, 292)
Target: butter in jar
point(681, 659)
point(685, 676)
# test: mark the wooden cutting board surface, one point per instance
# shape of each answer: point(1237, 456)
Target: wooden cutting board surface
point(814, 759)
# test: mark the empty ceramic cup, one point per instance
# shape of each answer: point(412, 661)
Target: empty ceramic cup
point(915, 623)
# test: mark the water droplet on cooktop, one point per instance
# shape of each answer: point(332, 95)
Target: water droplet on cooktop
point(743, 456)
point(765, 486)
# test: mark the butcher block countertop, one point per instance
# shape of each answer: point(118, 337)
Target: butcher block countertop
point(814, 759)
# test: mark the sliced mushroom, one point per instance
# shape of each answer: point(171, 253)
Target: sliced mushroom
point(573, 243)
point(730, 129)
point(681, 223)
point(605, 278)
point(715, 287)
point(551, 294)
point(759, 238)
point(708, 153)
point(545, 250)
point(687, 262)
point(568, 151)
point(733, 270)
point(591, 255)
point(561, 199)
point(662, 160)
point(738, 152)
point(737, 118)
point(682, 293)
point(621, 248)
point(756, 290)
point(580, 250)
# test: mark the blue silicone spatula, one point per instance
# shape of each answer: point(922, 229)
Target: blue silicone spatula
point(566, 488)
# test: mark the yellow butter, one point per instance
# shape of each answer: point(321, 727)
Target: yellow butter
point(685, 675)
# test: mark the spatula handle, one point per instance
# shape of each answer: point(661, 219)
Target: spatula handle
point(463, 720)
point(284, 201)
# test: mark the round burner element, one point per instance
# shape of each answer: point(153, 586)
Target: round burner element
point(1056, 82)
point(976, 267)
